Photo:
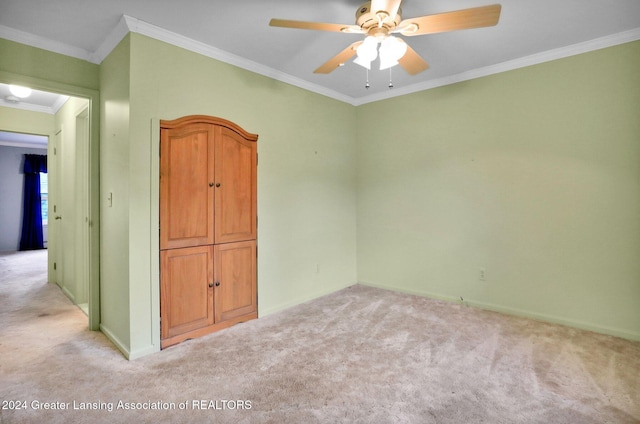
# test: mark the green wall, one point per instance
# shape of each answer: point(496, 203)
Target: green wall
point(24, 121)
point(69, 193)
point(306, 178)
point(114, 182)
point(38, 64)
point(47, 71)
point(532, 175)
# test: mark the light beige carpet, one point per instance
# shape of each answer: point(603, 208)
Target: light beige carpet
point(361, 355)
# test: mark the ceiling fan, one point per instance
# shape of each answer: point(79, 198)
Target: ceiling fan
point(379, 19)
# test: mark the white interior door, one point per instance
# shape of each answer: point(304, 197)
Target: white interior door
point(82, 209)
point(56, 245)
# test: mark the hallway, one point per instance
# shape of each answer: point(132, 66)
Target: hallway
point(35, 316)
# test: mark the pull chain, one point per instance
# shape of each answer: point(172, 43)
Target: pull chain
point(390, 81)
point(367, 85)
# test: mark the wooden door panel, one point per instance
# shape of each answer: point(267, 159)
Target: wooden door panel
point(235, 270)
point(186, 301)
point(186, 186)
point(236, 195)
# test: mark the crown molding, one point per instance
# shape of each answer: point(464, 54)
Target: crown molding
point(51, 110)
point(535, 59)
point(129, 24)
point(158, 33)
point(113, 39)
point(60, 101)
point(161, 34)
point(44, 43)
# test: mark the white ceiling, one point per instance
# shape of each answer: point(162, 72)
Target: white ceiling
point(38, 101)
point(32, 141)
point(238, 32)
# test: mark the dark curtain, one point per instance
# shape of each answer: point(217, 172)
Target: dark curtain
point(32, 212)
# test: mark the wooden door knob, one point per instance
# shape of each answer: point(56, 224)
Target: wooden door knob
point(217, 283)
point(210, 284)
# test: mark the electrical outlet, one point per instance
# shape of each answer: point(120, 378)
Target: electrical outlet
point(482, 275)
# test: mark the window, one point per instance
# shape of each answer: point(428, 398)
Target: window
point(44, 197)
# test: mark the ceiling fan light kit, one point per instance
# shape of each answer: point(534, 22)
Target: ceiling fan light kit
point(379, 19)
point(392, 49)
point(367, 52)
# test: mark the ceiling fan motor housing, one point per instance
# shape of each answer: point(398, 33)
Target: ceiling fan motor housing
point(368, 19)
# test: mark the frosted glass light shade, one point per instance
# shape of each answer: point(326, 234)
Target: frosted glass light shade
point(20, 91)
point(391, 50)
point(367, 52)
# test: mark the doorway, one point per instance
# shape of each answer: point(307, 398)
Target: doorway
point(64, 199)
point(13, 148)
point(73, 159)
point(68, 160)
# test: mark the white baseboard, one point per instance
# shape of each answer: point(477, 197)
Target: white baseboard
point(616, 332)
point(556, 320)
point(139, 353)
point(116, 341)
point(297, 301)
point(68, 294)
